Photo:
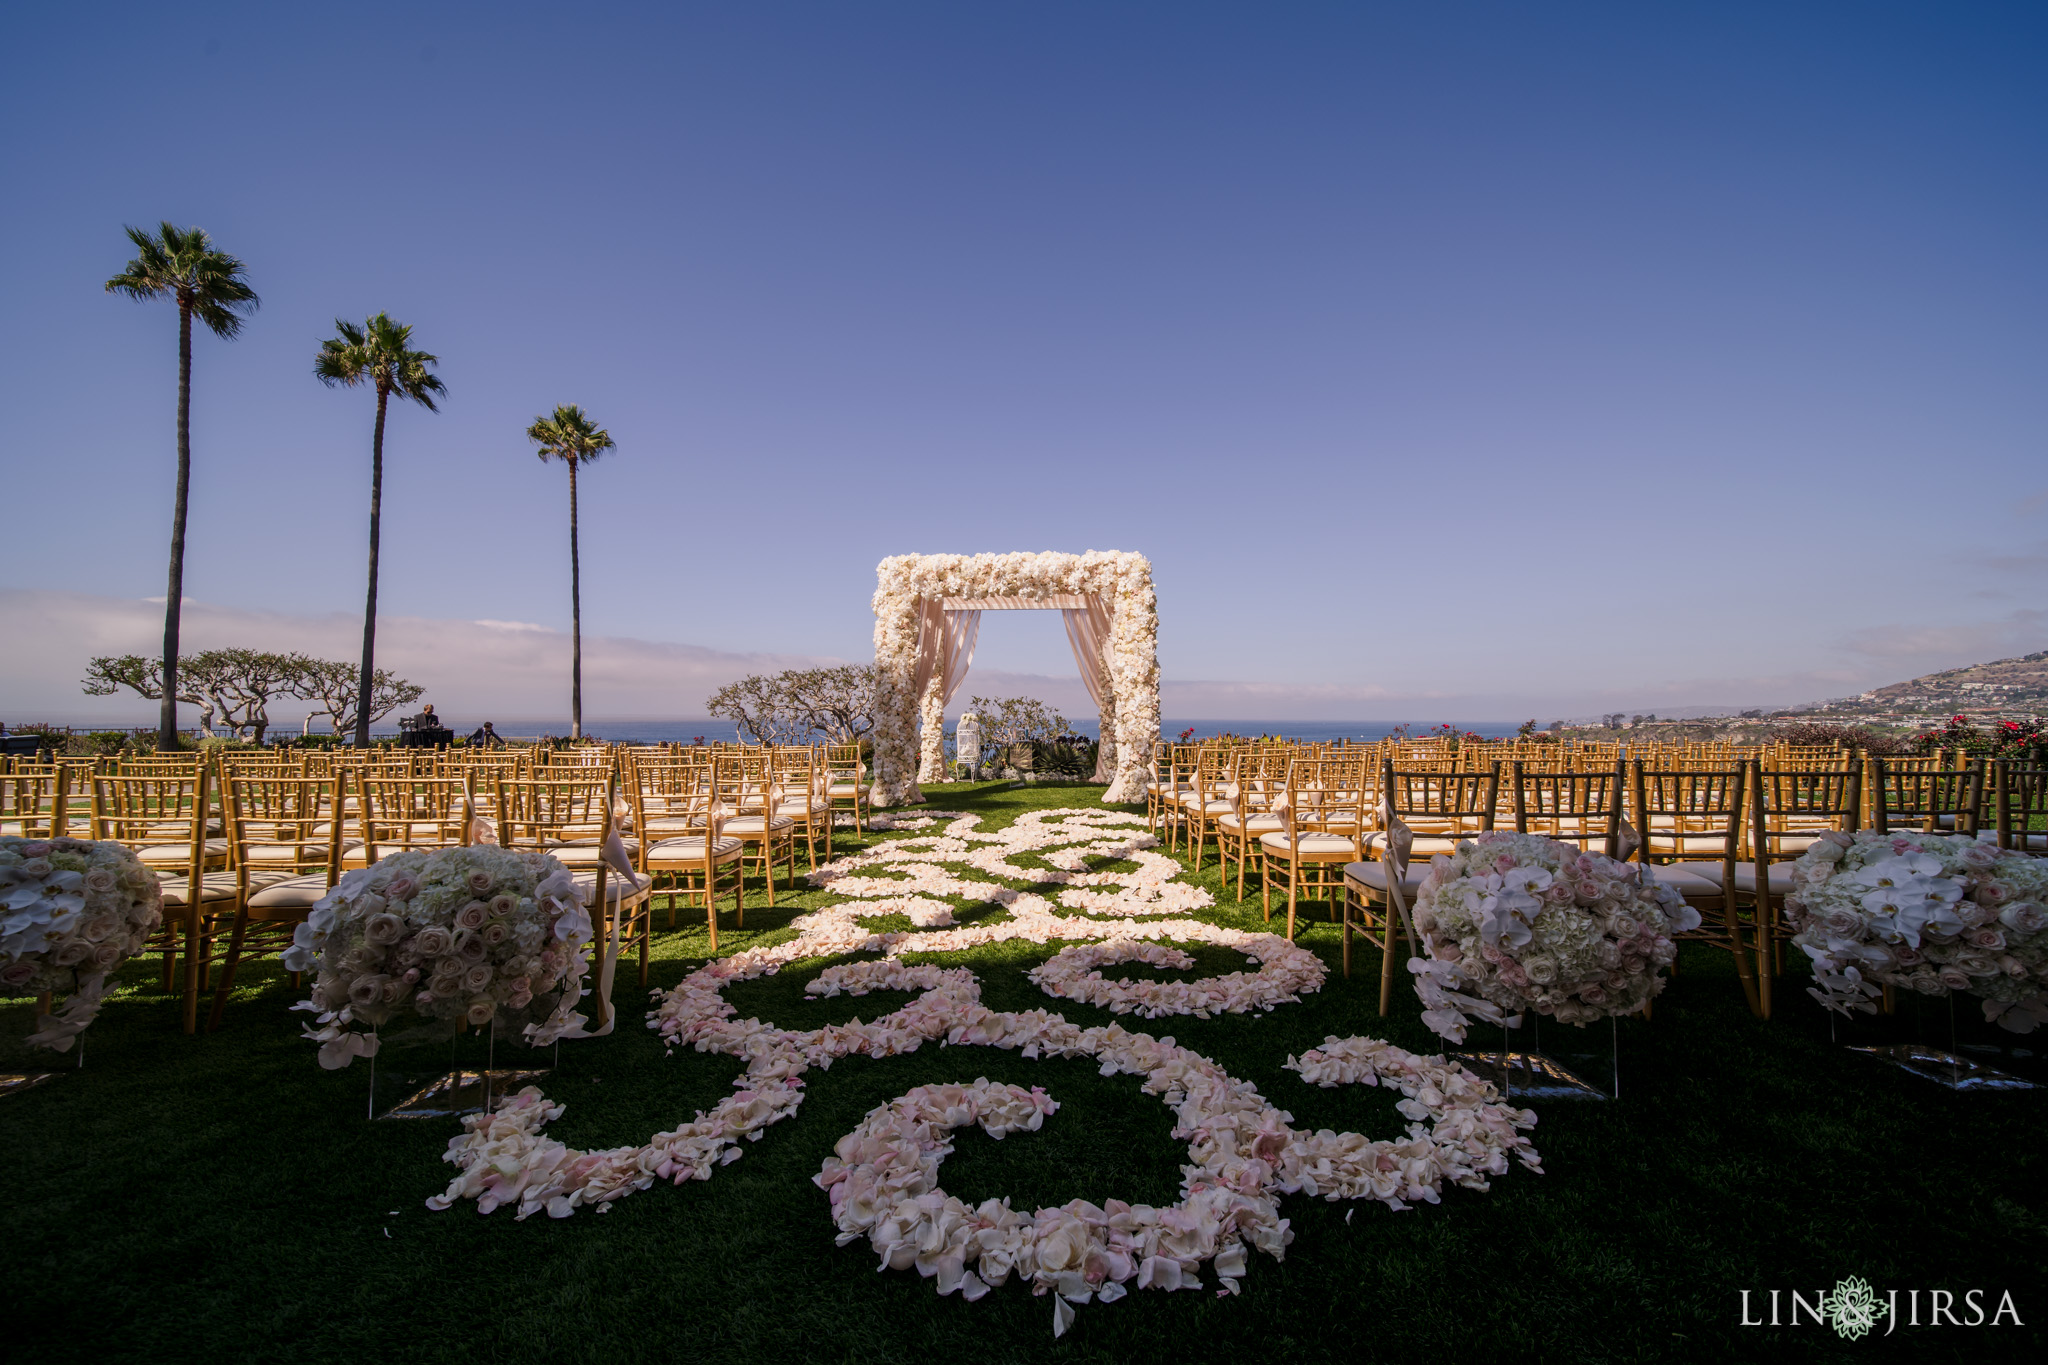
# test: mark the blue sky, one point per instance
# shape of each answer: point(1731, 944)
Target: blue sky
point(1481, 358)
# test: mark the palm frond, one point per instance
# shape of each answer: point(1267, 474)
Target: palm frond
point(570, 436)
point(183, 263)
point(376, 352)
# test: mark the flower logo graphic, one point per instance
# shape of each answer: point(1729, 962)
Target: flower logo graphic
point(1852, 1309)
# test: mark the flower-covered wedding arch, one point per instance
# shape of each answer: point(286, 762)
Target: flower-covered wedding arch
point(928, 613)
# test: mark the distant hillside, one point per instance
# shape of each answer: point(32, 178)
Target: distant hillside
point(2000, 685)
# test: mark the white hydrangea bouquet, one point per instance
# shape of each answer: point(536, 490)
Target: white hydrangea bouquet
point(71, 911)
point(1516, 921)
point(1934, 913)
point(454, 938)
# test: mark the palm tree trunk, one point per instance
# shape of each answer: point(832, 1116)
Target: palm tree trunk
point(575, 617)
point(370, 607)
point(167, 717)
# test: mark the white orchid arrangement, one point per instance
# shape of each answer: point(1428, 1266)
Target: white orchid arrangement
point(71, 911)
point(1515, 922)
point(1932, 913)
point(451, 939)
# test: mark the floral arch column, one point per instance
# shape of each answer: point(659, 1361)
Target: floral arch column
point(909, 586)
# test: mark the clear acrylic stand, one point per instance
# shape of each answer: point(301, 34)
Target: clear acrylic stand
point(21, 1072)
point(1950, 1069)
point(1527, 1074)
point(408, 1090)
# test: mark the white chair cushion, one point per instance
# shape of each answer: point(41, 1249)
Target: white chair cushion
point(177, 855)
point(1372, 878)
point(214, 887)
point(692, 850)
point(616, 887)
point(1259, 824)
point(1308, 844)
point(751, 824)
point(298, 893)
point(586, 852)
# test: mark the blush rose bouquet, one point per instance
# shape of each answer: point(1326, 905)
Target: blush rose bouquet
point(1515, 922)
point(451, 939)
point(71, 911)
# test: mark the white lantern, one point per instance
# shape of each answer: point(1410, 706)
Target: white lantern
point(967, 743)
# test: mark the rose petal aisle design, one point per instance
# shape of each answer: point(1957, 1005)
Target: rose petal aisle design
point(883, 1176)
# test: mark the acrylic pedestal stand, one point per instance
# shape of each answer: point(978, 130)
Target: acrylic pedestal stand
point(422, 1083)
point(1527, 1073)
point(19, 1073)
point(1956, 1068)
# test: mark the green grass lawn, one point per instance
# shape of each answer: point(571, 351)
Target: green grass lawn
point(222, 1198)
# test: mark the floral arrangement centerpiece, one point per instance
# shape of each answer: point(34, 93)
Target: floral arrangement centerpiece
point(1517, 921)
point(70, 912)
point(1933, 913)
point(455, 938)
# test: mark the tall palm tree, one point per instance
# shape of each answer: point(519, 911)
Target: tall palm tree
point(376, 354)
point(182, 264)
point(572, 438)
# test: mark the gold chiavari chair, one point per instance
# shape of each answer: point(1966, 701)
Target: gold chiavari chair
point(286, 858)
point(399, 813)
point(1206, 799)
point(1324, 820)
point(1582, 808)
point(1692, 819)
point(2021, 803)
point(745, 796)
point(846, 772)
point(800, 779)
point(1929, 800)
point(683, 841)
point(1436, 811)
point(1257, 791)
point(36, 805)
point(162, 818)
point(572, 819)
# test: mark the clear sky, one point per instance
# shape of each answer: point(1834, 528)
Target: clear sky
point(1524, 357)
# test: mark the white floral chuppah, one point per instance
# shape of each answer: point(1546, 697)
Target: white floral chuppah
point(926, 613)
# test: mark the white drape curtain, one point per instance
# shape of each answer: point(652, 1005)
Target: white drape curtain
point(946, 632)
point(1088, 633)
point(945, 651)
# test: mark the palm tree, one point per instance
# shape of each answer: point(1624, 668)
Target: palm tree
point(376, 353)
point(182, 264)
point(572, 438)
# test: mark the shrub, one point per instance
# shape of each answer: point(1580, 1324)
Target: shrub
point(1883, 744)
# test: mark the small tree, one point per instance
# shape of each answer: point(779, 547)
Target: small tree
point(1018, 720)
point(838, 703)
point(107, 675)
point(337, 686)
point(800, 704)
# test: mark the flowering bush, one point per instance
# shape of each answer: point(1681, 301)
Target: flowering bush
point(456, 938)
point(1933, 913)
point(1533, 923)
point(70, 912)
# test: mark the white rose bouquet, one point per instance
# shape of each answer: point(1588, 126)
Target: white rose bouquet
point(1517, 921)
point(1934, 913)
point(70, 912)
point(457, 938)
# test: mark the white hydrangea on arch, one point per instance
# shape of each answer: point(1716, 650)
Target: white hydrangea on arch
point(1111, 611)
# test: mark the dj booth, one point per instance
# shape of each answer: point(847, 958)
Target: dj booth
point(413, 735)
